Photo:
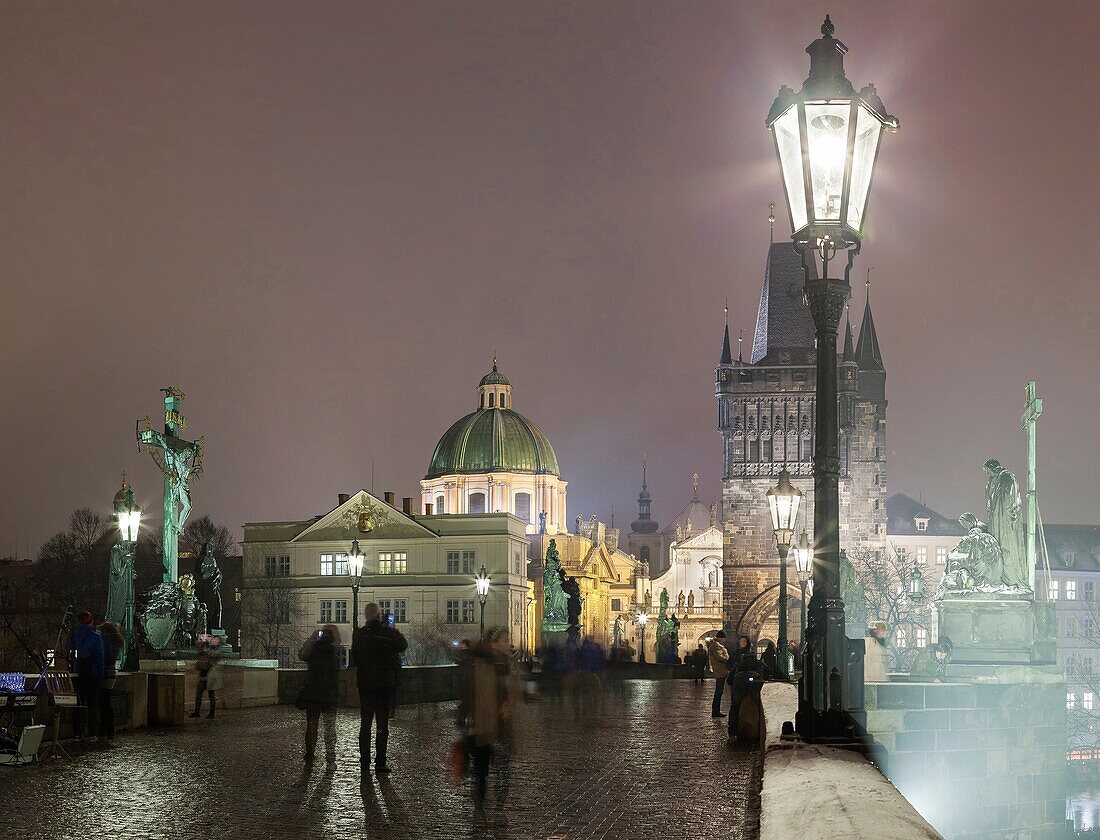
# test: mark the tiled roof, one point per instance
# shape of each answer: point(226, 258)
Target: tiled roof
point(902, 513)
point(1078, 544)
point(783, 321)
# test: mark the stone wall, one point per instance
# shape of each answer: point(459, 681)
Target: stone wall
point(980, 759)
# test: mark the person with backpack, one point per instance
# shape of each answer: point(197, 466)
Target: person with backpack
point(375, 652)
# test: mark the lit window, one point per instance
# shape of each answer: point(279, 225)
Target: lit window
point(325, 613)
point(922, 637)
point(1071, 700)
point(1071, 590)
point(393, 563)
point(468, 611)
point(922, 521)
point(340, 612)
point(1086, 700)
point(922, 555)
point(334, 564)
point(941, 555)
point(1052, 590)
point(899, 638)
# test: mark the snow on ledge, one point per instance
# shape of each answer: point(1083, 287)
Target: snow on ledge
point(812, 792)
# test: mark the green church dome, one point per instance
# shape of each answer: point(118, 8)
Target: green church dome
point(494, 377)
point(493, 440)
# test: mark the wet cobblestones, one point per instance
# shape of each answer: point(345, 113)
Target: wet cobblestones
point(650, 763)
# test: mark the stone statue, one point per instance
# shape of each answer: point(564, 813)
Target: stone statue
point(1002, 497)
point(649, 600)
point(212, 578)
point(977, 562)
point(118, 584)
point(179, 461)
point(680, 601)
point(192, 614)
point(542, 522)
point(691, 600)
point(572, 589)
point(664, 601)
point(555, 616)
point(617, 631)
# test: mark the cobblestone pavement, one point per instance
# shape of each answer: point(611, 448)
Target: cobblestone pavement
point(651, 763)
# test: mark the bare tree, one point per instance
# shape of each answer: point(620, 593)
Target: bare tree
point(198, 532)
point(269, 618)
point(72, 570)
point(1083, 676)
point(430, 641)
point(885, 575)
point(86, 528)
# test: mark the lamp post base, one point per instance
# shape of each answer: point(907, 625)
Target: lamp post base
point(830, 692)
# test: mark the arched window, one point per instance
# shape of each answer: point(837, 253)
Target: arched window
point(439, 504)
point(491, 395)
point(503, 400)
point(477, 503)
point(644, 553)
point(523, 505)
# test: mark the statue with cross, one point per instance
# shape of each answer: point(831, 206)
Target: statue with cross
point(180, 461)
point(1033, 407)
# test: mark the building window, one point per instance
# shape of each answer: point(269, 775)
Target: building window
point(453, 561)
point(644, 553)
point(477, 503)
point(754, 451)
point(393, 563)
point(454, 616)
point(38, 599)
point(1052, 590)
point(440, 504)
point(523, 506)
point(922, 637)
point(1071, 590)
point(876, 485)
point(1086, 701)
point(342, 656)
point(269, 567)
point(1069, 557)
point(941, 555)
point(1090, 627)
point(922, 555)
point(340, 612)
point(468, 611)
point(899, 638)
point(1071, 700)
point(325, 613)
point(1088, 591)
point(922, 521)
point(334, 564)
point(397, 607)
point(469, 558)
point(617, 604)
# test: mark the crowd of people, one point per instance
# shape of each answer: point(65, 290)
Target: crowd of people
point(94, 653)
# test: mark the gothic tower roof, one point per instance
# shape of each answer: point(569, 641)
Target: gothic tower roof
point(783, 322)
point(727, 356)
point(644, 524)
point(849, 353)
point(868, 354)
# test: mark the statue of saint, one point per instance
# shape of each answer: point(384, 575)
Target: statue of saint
point(680, 601)
point(691, 600)
point(664, 601)
point(648, 600)
point(118, 585)
point(212, 577)
point(1002, 496)
point(572, 589)
point(617, 631)
point(555, 614)
point(542, 522)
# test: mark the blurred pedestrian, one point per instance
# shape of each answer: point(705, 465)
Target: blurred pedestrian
point(769, 660)
point(874, 653)
point(698, 664)
point(113, 643)
point(321, 691)
point(719, 657)
point(932, 662)
point(745, 678)
point(87, 648)
point(210, 677)
point(374, 650)
point(492, 698)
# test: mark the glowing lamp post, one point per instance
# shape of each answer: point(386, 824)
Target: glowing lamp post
point(643, 618)
point(916, 584)
point(804, 565)
point(355, 571)
point(783, 501)
point(827, 139)
point(481, 582)
point(129, 526)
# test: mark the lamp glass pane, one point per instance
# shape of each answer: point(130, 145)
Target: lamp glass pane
point(790, 161)
point(868, 131)
point(827, 139)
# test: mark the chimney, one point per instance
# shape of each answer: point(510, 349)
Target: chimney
point(342, 498)
point(427, 509)
point(407, 505)
point(389, 498)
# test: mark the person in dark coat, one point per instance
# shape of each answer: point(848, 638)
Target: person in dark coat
point(321, 692)
point(699, 660)
point(769, 659)
point(113, 642)
point(87, 647)
point(374, 651)
point(745, 673)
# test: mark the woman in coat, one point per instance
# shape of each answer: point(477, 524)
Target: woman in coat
point(322, 688)
point(874, 654)
point(210, 678)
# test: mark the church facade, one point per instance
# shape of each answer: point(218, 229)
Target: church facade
point(766, 417)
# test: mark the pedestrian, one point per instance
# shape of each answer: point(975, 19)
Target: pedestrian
point(487, 710)
point(113, 642)
point(321, 691)
point(374, 650)
point(209, 674)
point(87, 648)
point(769, 660)
point(719, 657)
point(745, 678)
point(698, 664)
point(874, 653)
point(932, 661)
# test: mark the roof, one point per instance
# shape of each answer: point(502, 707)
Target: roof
point(494, 377)
point(783, 321)
point(1073, 547)
point(493, 440)
point(902, 513)
point(868, 354)
point(693, 519)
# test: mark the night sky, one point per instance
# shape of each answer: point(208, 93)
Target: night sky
point(321, 221)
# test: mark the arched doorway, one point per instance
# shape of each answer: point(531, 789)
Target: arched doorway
point(761, 620)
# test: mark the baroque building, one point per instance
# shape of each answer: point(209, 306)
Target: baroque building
point(766, 416)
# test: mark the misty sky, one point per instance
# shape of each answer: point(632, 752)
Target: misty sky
point(321, 221)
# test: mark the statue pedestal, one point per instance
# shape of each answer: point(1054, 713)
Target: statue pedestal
point(990, 630)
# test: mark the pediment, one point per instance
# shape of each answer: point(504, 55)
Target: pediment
point(708, 540)
point(340, 523)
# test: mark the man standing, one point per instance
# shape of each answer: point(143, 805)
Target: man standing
point(376, 651)
point(87, 645)
point(719, 658)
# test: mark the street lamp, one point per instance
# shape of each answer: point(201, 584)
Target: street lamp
point(643, 617)
point(916, 584)
point(804, 565)
point(783, 500)
point(129, 526)
point(355, 570)
point(481, 581)
point(826, 139)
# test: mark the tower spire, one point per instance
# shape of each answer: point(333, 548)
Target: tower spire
point(740, 341)
point(868, 354)
point(771, 222)
point(726, 357)
point(849, 351)
point(644, 524)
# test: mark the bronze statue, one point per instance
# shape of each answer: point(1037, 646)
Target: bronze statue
point(1002, 497)
point(212, 577)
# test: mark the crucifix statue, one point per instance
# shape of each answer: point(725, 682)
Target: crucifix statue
point(1033, 407)
point(179, 460)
